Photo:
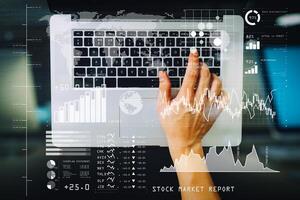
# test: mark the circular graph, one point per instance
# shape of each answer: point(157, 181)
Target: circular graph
point(51, 185)
point(51, 174)
point(252, 17)
point(51, 164)
point(131, 103)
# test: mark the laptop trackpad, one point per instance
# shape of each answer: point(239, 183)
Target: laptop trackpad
point(139, 118)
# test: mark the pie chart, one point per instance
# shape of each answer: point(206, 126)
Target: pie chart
point(51, 164)
point(51, 185)
point(51, 174)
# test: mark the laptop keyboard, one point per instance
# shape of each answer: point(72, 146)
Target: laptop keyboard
point(134, 58)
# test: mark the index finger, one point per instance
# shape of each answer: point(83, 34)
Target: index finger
point(191, 76)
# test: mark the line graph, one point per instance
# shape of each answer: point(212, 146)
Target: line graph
point(214, 162)
point(224, 102)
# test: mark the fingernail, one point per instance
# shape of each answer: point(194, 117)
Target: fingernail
point(193, 50)
point(161, 74)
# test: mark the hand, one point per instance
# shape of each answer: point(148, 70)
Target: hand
point(189, 116)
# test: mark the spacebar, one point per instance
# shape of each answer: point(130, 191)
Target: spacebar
point(138, 82)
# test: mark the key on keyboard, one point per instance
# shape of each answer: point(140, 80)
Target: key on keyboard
point(133, 58)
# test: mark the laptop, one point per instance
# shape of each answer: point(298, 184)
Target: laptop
point(104, 76)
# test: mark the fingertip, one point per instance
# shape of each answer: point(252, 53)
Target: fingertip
point(163, 78)
point(164, 86)
point(216, 85)
point(204, 65)
point(193, 51)
point(205, 70)
point(194, 55)
point(160, 74)
point(214, 76)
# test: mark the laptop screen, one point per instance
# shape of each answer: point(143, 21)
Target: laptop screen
point(283, 70)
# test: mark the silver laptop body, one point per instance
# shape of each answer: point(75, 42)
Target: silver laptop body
point(104, 77)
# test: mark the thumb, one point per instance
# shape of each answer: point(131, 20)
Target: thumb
point(164, 96)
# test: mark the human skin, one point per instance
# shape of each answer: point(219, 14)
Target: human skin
point(184, 129)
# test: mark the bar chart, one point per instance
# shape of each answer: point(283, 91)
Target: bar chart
point(253, 69)
point(252, 45)
point(89, 108)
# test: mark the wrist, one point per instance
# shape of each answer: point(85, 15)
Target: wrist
point(177, 151)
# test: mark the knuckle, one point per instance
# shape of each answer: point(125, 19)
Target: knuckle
point(192, 64)
point(193, 74)
point(193, 61)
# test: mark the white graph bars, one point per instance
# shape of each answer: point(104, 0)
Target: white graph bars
point(253, 45)
point(252, 70)
point(89, 108)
